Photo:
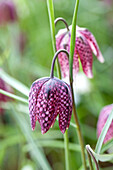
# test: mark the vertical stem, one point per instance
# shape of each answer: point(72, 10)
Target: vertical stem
point(52, 25)
point(78, 130)
point(66, 142)
point(73, 40)
point(72, 47)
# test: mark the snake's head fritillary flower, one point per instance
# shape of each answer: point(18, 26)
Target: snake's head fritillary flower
point(4, 98)
point(8, 12)
point(102, 120)
point(49, 97)
point(85, 45)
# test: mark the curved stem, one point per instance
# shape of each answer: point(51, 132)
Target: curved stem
point(63, 20)
point(54, 58)
point(91, 154)
point(55, 22)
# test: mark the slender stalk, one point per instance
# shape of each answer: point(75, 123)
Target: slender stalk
point(73, 40)
point(52, 26)
point(66, 149)
point(13, 96)
point(78, 130)
point(72, 47)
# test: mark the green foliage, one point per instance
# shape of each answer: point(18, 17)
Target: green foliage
point(17, 141)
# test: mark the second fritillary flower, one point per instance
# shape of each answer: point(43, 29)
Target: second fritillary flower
point(85, 45)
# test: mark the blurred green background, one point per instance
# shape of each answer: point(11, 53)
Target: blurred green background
point(26, 54)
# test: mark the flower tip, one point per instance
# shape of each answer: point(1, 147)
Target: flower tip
point(90, 74)
point(33, 128)
point(101, 58)
point(42, 132)
point(63, 131)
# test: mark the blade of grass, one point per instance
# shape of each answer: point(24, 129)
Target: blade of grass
point(107, 145)
point(14, 83)
point(36, 153)
point(102, 157)
point(15, 139)
point(54, 144)
point(13, 96)
point(103, 133)
point(52, 25)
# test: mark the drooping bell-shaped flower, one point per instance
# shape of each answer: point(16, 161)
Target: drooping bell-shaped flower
point(49, 97)
point(8, 12)
point(85, 45)
point(102, 120)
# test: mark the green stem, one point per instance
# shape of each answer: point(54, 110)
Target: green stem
point(72, 47)
point(13, 96)
point(73, 38)
point(52, 26)
point(78, 130)
point(66, 142)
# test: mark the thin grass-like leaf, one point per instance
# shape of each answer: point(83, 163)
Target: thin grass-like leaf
point(73, 39)
point(15, 139)
point(52, 25)
point(13, 96)
point(36, 153)
point(102, 157)
point(103, 133)
point(54, 144)
point(14, 83)
point(107, 145)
